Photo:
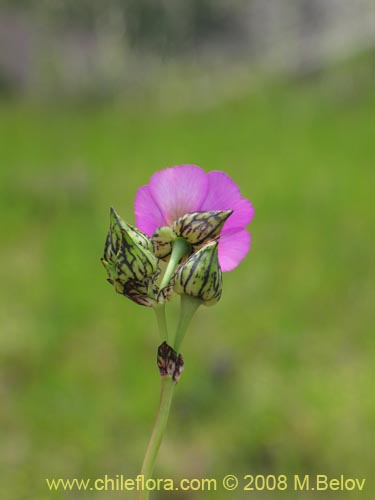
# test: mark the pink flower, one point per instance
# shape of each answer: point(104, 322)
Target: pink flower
point(174, 192)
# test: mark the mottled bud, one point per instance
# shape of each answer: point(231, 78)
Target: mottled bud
point(162, 241)
point(169, 362)
point(143, 293)
point(166, 359)
point(200, 276)
point(197, 228)
point(131, 266)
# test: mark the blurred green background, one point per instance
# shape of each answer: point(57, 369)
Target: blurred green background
point(279, 376)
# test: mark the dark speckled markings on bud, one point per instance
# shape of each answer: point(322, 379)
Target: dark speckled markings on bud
point(131, 266)
point(162, 241)
point(169, 362)
point(197, 228)
point(200, 276)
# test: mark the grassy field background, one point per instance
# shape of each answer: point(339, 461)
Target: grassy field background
point(279, 375)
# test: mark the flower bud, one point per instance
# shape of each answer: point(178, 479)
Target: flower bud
point(162, 241)
point(197, 228)
point(131, 266)
point(144, 293)
point(200, 276)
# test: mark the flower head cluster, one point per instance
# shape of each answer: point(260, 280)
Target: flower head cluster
point(191, 219)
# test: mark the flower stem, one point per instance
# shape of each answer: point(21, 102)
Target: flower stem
point(189, 305)
point(162, 321)
point(179, 249)
point(166, 394)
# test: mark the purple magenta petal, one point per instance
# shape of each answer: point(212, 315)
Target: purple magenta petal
point(147, 214)
point(222, 191)
point(224, 194)
point(179, 190)
point(233, 248)
point(243, 213)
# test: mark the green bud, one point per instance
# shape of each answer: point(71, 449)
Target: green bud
point(128, 259)
point(162, 241)
point(200, 276)
point(143, 293)
point(115, 236)
point(197, 228)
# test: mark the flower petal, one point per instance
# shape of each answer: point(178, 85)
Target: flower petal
point(224, 194)
point(242, 215)
point(148, 216)
point(222, 191)
point(179, 190)
point(233, 247)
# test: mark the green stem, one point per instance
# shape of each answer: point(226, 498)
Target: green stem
point(188, 307)
point(162, 321)
point(179, 249)
point(166, 395)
